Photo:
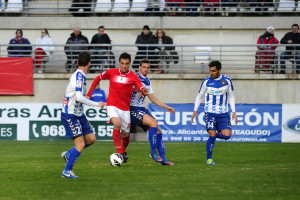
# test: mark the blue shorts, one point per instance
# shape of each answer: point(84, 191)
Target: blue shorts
point(76, 126)
point(137, 114)
point(217, 122)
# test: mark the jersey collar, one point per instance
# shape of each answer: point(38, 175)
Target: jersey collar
point(123, 74)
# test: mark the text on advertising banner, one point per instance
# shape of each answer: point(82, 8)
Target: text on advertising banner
point(256, 123)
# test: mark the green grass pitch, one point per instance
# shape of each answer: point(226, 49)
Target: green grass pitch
point(32, 170)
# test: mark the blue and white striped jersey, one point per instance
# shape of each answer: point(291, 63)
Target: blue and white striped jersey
point(217, 92)
point(74, 96)
point(135, 98)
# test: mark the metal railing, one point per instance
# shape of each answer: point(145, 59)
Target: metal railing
point(238, 59)
point(131, 7)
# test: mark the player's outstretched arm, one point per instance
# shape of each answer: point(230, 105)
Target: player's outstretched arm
point(157, 102)
point(84, 100)
point(101, 104)
point(93, 86)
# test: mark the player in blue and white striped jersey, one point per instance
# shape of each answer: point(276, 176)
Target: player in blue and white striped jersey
point(142, 117)
point(76, 125)
point(218, 90)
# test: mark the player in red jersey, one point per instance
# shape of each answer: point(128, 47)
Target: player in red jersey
point(118, 102)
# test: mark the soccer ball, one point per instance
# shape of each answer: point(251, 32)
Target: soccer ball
point(116, 159)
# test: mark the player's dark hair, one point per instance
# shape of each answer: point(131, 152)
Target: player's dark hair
point(215, 63)
point(295, 25)
point(125, 56)
point(100, 27)
point(144, 60)
point(84, 58)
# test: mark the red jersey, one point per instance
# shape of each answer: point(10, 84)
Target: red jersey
point(120, 87)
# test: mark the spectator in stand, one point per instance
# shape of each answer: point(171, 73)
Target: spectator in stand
point(291, 51)
point(210, 6)
point(152, 7)
point(100, 53)
point(98, 95)
point(86, 5)
point(225, 5)
point(43, 47)
point(19, 51)
point(262, 6)
point(191, 7)
point(166, 53)
point(73, 51)
point(146, 37)
point(247, 4)
point(265, 54)
point(173, 6)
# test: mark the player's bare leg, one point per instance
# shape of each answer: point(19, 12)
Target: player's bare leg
point(225, 134)
point(89, 139)
point(117, 134)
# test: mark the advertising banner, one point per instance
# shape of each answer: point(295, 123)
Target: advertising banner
point(41, 121)
point(291, 123)
point(16, 76)
point(256, 123)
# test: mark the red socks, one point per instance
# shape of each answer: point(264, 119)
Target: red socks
point(125, 142)
point(117, 140)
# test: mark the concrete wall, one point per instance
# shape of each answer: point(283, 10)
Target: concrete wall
point(180, 88)
point(124, 30)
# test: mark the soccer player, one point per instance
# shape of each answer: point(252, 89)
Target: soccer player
point(76, 125)
point(121, 81)
point(218, 89)
point(143, 118)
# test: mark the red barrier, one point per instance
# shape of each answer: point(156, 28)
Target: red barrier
point(16, 76)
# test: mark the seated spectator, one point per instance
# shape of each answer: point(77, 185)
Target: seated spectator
point(174, 5)
point(225, 5)
point(166, 53)
point(146, 37)
point(73, 51)
point(247, 4)
point(19, 51)
point(262, 6)
point(291, 51)
point(98, 95)
point(191, 7)
point(153, 7)
point(210, 6)
point(86, 5)
point(43, 47)
point(100, 53)
point(265, 54)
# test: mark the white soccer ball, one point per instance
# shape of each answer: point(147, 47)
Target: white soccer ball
point(116, 159)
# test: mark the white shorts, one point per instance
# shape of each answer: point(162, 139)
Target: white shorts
point(124, 116)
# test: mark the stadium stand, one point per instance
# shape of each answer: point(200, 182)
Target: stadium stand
point(14, 6)
point(103, 6)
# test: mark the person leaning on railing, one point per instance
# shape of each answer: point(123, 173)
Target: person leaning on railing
point(166, 53)
point(71, 49)
point(43, 47)
point(146, 37)
point(100, 53)
point(19, 51)
point(265, 54)
point(293, 52)
point(210, 6)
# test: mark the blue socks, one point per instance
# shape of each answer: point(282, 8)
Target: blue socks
point(74, 154)
point(152, 139)
point(160, 146)
point(224, 137)
point(210, 146)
